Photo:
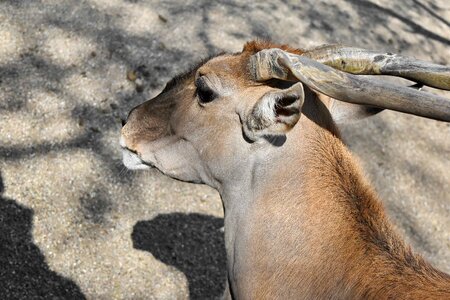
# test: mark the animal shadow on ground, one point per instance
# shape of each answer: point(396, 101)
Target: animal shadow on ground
point(193, 243)
point(24, 274)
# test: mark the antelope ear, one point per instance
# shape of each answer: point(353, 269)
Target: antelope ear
point(275, 113)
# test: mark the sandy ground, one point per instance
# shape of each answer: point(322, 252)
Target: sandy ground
point(75, 224)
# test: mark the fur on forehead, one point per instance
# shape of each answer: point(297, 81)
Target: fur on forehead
point(255, 46)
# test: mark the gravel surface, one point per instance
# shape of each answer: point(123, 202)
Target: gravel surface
point(75, 224)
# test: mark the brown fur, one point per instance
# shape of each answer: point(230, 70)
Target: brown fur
point(383, 266)
point(256, 46)
point(319, 230)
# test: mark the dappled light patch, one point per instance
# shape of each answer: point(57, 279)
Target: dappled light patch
point(26, 130)
point(67, 49)
point(11, 40)
point(140, 19)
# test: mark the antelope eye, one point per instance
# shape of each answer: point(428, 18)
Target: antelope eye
point(204, 92)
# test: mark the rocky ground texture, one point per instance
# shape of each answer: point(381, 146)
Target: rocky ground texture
point(74, 224)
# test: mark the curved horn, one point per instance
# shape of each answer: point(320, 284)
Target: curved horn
point(361, 61)
point(275, 63)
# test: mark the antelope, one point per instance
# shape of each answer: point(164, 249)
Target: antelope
point(261, 127)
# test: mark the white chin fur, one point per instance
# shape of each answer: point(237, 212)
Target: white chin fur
point(132, 161)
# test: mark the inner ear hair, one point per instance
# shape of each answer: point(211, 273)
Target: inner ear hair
point(283, 108)
point(275, 113)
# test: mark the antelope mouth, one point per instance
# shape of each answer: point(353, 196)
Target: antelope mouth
point(133, 162)
point(131, 159)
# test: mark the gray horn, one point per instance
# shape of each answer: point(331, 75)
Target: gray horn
point(276, 63)
point(367, 62)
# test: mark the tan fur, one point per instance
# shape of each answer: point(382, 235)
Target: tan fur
point(317, 230)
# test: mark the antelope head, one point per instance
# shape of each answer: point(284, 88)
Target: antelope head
point(214, 122)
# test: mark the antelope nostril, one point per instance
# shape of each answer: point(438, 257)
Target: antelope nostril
point(123, 122)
